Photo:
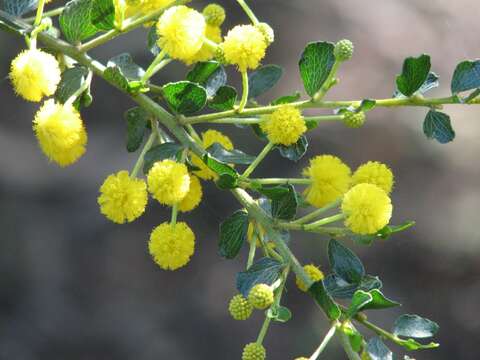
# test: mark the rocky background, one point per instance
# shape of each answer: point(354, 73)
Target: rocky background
point(74, 286)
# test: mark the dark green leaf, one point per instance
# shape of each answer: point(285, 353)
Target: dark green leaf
point(316, 63)
point(103, 14)
point(76, 22)
point(323, 299)
point(437, 125)
point(466, 76)
point(11, 26)
point(18, 7)
point(414, 326)
point(379, 301)
point(72, 80)
point(228, 177)
point(377, 350)
point(366, 105)
point(429, 84)
point(360, 299)
point(152, 38)
point(414, 74)
point(185, 97)
point(263, 79)
point(224, 99)
point(272, 192)
point(233, 233)
point(287, 99)
point(340, 289)
point(127, 66)
point(168, 150)
point(210, 74)
point(388, 230)
point(230, 156)
point(263, 271)
point(279, 313)
point(137, 122)
point(345, 263)
point(296, 151)
point(284, 206)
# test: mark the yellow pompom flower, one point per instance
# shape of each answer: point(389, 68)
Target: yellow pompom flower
point(213, 33)
point(209, 138)
point(193, 197)
point(214, 14)
point(284, 126)
point(181, 31)
point(122, 199)
point(376, 173)
point(331, 178)
point(244, 46)
point(313, 272)
point(60, 132)
point(172, 246)
point(367, 209)
point(168, 182)
point(35, 74)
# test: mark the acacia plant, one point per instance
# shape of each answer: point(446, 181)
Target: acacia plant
point(340, 205)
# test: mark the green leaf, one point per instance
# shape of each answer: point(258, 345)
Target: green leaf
point(354, 336)
point(279, 313)
point(263, 79)
point(185, 97)
point(379, 301)
point(72, 80)
point(345, 263)
point(103, 14)
point(18, 7)
point(414, 73)
point(76, 22)
point(152, 38)
point(430, 83)
point(388, 230)
point(210, 74)
point(263, 271)
point(123, 72)
point(414, 326)
point(437, 125)
point(296, 151)
point(366, 105)
point(316, 63)
point(168, 150)
point(285, 204)
point(10, 25)
point(233, 233)
point(287, 99)
point(137, 121)
point(377, 350)
point(359, 300)
point(341, 289)
point(230, 156)
point(224, 99)
point(466, 76)
point(228, 177)
point(323, 299)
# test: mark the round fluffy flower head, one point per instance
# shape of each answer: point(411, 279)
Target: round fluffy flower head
point(354, 120)
point(209, 138)
point(172, 246)
point(313, 272)
point(168, 182)
point(122, 198)
point(330, 180)
point(367, 209)
point(240, 308)
point(343, 50)
point(181, 30)
point(213, 33)
point(376, 173)
point(261, 296)
point(60, 132)
point(214, 14)
point(193, 197)
point(244, 46)
point(284, 126)
point(254, 351)
point(34, 74)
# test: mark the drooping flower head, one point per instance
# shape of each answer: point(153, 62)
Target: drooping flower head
point(168, 182)
point(60, 132)
point(376, 173)
point(244, 46)
point(122, 199)
point(172, 246)
point(209, 138)
point(331, 178)
point(284, 126)
point(193, 197)
point(181, 31)
point(313, 272)
point(35, 74)
point(367, 209)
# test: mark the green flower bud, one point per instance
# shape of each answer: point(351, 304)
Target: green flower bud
point(354, 120)
point(214, 14)
point(254, 351)
point(261, 296)
point(343, 50)
point(240, 308)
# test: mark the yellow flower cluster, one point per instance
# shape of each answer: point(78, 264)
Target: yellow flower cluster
point(376, 173)
point(313, 272)
point(284, 126)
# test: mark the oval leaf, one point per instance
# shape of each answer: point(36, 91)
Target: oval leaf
point(414, 74)
point(263, 271)
point(230, 156)
point(72, 80)
point(137, 122)
point(437, 125)
point(296, 151)
point(168, 150)
point(379, 301)
point(466, 76)
point(323, 299)
point(233, 233)
point(185, 97)
point(315, 64)
point(414, 326)
point(359, 300)
point(377, 350)
point(224, 99)
point(263, 79)
point(345, 263)
point(75, 21)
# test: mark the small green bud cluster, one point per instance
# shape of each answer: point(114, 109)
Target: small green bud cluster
point(254, 351)
point(343, 50)
point(240, 308)
point(261, 296)
point(354, 120)
point(214, 14)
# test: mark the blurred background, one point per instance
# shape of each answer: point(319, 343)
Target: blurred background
point(75, 286)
